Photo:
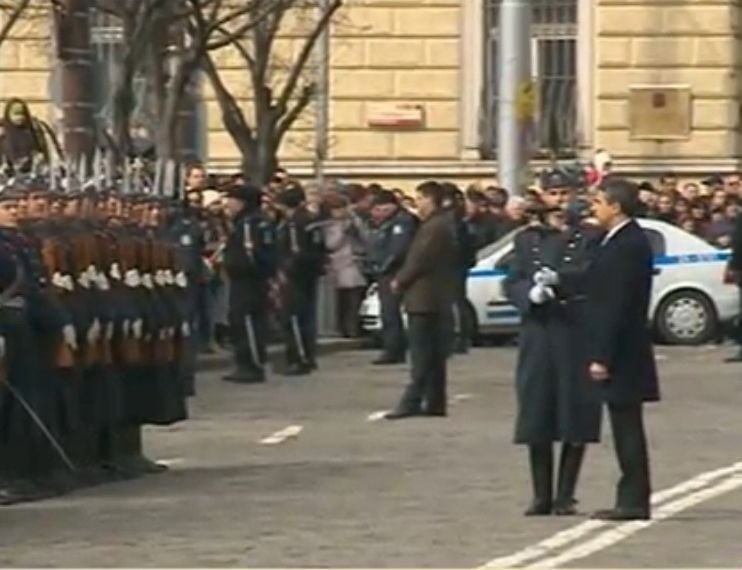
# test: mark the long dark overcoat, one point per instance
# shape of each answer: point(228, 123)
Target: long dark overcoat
point(556, 402)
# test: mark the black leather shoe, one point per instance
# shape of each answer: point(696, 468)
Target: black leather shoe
point(402, 414)
point(388, 360)
point(565, 508)
point(621, 515)
point(297, 370)
point(538, 509)
point(436, 413)
point(244, 377)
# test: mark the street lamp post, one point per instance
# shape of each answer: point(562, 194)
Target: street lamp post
point(516, 95)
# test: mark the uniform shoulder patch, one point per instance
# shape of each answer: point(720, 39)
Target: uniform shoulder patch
point(397, 230)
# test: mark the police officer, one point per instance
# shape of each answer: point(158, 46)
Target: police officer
point(466, 257)
point(391, 239)
point(556, 401)
point(250, 262)
point(302, 257)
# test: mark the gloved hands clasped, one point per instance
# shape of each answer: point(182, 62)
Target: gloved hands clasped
point(542, 291)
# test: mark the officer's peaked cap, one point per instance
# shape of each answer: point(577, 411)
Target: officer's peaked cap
point(246, 193)
point(384, 197)
point(292, 196)
point(556, 179)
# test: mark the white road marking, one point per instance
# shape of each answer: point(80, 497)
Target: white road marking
point(612, 536)
point(282, 435)
point(660, 357)
point(376, 416)
point(565, 537)
point(461, 398)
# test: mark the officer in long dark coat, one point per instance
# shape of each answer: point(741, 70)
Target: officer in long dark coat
point(555, 400)
point(390, 242)
point(249, 260)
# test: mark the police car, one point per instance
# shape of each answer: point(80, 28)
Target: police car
point(691, 298)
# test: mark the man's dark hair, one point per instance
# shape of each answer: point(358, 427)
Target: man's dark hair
point(622, 192)
point(431, 189)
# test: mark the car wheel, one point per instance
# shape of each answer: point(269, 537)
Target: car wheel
point(686, 318)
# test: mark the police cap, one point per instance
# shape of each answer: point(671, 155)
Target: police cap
point(556, 179)
point(250, 195)
point(384, 197)
point(292, 196)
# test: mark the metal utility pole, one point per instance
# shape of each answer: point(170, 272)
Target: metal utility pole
point(323, 98)
point(516, 95)
point(74, 52)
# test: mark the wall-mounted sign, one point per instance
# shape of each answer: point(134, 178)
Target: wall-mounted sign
point(396, 115)
point(660, 112)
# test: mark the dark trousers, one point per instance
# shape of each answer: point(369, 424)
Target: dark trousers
point(204, 306)
point(428, 340)
point(249, 349)
point(298, 333)
point(393, 334)
point(630, 442)
point(461, 325)
point(348, 302)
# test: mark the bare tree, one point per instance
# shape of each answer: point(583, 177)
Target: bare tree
point(276, 106)
point(166, 42)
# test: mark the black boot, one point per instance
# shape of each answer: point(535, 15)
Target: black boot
point(541, 459)
point(570, 463)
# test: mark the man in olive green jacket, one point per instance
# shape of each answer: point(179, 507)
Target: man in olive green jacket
point(427, 282)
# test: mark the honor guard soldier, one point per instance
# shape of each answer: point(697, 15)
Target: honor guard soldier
point(301, 256)
point(556, 401)
point(250, 263)
point(391, 239)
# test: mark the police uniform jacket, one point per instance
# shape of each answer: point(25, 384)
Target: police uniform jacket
point(556, 401)
point(390, 243)
point(250, 259)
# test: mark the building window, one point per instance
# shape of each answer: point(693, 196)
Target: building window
point(554, 65)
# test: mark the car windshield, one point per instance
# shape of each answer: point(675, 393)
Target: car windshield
point(488, 250)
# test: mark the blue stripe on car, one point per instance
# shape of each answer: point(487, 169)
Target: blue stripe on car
point(659, 261)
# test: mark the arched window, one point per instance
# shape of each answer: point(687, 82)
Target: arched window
point(554, 65)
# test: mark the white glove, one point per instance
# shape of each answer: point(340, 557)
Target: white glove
point(137, 328)
point(547, 277)
point(126, 327)
point(185, 329)
point(538, 295)
point(94, 331)
point(70, 336)
point(109, 332)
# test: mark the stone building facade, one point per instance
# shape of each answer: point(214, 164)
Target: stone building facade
point(435, 59)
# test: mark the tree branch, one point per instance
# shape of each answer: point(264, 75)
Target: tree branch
point(303, 58)
point(289, 118)
point(12, 20)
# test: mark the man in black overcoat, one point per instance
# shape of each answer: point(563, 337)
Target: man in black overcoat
point(620, 353)
point(556, 402)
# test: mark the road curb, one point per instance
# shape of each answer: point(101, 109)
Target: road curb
point(223, 358)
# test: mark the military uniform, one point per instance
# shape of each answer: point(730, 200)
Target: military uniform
point(250, 263)
point(390, 243)
point(301, 260)
point(556, 401)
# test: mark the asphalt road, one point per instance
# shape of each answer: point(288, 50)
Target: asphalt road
point(337, 489)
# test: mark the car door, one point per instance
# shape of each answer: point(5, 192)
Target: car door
point(486, 292)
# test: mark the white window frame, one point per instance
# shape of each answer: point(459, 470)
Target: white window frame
point(473, 53)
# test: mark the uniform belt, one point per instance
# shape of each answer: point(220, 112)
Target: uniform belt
point(14, 303)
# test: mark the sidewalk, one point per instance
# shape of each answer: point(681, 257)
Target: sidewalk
point(328, 345)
